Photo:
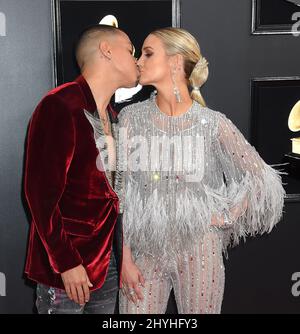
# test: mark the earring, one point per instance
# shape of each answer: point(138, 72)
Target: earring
point(175, 88)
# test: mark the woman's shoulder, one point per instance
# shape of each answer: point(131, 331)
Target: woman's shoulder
point(212, 114)
point(222, 124)
point(135, 109)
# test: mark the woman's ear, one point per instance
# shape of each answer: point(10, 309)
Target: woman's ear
point(179, 62)
point(176, 63)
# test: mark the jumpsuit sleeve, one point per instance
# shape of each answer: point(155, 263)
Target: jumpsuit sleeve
point(122, 170)
point(254, 191)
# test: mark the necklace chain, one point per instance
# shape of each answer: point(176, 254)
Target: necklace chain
point(105, 122)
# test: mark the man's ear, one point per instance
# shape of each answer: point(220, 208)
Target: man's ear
point(105, 49)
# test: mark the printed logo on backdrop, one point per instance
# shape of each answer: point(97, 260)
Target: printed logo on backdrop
point(2, 25)
point(296, 26)
point(296, 285)
point(296, 17)
point(2, 285)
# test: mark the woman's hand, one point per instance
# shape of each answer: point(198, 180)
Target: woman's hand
point(132, 278)
point(221, 221)
point(227, 220)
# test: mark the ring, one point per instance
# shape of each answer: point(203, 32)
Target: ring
point(131, 292)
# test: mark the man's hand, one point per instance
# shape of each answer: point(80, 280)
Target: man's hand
point(77, 284)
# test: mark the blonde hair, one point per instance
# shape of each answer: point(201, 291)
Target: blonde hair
point(180, 41)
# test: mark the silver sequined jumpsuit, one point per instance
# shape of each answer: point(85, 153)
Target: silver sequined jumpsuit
point(175, 174)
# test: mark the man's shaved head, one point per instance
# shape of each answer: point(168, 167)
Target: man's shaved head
point(90, 39)
point(106, 52)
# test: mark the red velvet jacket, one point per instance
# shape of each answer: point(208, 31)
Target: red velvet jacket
point(73, 207)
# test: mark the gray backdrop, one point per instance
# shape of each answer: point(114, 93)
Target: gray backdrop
point(259, 274)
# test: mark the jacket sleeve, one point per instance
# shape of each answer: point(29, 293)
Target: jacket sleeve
point(254, 191)
point(50, 148)
point(122, 172)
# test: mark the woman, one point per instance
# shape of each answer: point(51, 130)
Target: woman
point(192, 185)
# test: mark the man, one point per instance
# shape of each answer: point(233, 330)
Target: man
point(71, 198)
